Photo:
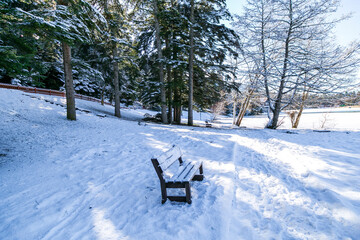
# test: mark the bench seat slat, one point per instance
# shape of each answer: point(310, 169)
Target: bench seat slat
point(183, 168)
point(190, 174)
point(182, 176)
point(169, 157)
point(185, 173)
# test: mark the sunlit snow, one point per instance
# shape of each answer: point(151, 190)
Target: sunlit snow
point(93, 178)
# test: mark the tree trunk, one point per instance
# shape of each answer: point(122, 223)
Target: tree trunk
point(169, 86)
point(273, 124)
point(69, 86)
point(302, 105)
point(171, 73)
point(234, 110)
point(102, 95)
point(264, 62)
point(170, 103)
point(177, 105)
point(244, 107)
point(116, 82)
point(170, 95)
point(177, 114)
point(161, 64)
point(115, 64)
point(177, 97)
point(191, 65)
point(176, 89)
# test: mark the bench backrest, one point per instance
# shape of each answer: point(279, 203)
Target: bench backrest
point(165, 160)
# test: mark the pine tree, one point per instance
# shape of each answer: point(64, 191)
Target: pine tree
point(211, 42)
point(68, 21)
point(18, 48)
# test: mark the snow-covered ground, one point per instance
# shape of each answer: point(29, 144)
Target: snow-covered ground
point(344, 119)
point(93, 179)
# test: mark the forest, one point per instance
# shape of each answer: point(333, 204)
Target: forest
point(180, 55)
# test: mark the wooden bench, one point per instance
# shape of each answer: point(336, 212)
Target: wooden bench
point(183, 174)
point(207, 124)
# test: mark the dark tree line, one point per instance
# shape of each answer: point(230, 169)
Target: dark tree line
point(162, 53)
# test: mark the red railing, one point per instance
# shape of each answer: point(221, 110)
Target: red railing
point(49, 92)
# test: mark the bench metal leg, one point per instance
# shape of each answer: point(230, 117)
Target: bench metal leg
point(199, 177)
point(188, 192)
point(201, 169)
point(163, 192)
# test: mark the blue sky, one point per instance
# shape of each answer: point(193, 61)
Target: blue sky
point(347, 31)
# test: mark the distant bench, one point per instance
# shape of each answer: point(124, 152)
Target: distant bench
point(185, 172)
point(207, 124)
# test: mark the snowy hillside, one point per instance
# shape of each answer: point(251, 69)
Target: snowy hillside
point(93, 178)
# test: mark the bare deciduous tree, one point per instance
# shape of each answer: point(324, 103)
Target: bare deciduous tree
point(285, 39)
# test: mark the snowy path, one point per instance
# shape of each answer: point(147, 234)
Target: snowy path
point(93, 179)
